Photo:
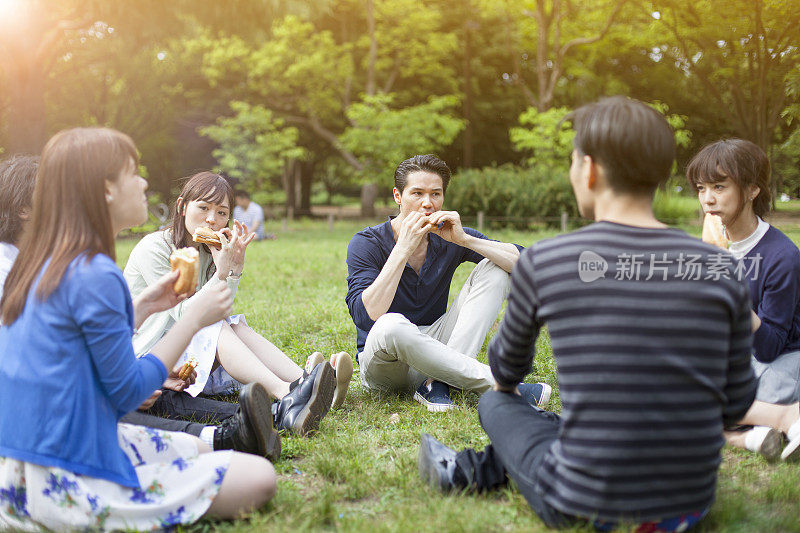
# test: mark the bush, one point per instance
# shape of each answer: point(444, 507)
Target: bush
point(671, 207)
point(513, 193)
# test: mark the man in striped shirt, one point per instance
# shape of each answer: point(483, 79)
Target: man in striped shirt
point(650, 330)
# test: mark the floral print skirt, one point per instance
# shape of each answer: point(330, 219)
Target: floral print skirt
point(177, 486)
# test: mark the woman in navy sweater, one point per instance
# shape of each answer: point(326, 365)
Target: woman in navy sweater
point(68, 371)
point(732, 180)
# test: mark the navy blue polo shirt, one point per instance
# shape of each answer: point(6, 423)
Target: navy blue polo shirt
point(421, 298)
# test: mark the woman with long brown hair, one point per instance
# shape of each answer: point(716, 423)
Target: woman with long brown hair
point(732, 181)
point(69, 370)
point(206, 201)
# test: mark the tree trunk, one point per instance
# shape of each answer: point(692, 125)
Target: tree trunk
point(369, 193)
point(27, 127)
point(289, 184)
point(373, 48)
point(306, 175)
point(466, 160)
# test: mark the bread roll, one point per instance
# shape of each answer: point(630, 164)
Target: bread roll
point(187, 368)
point(714, 231)
point(185, 260)
point(207, 236)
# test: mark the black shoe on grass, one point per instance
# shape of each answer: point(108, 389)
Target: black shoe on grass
point(250, 429)
point(301, 411)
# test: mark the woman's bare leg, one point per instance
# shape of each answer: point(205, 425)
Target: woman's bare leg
point(245, 366)
point(771, 415)
point(274, 359)
point(249, 483)
point(776, 416)
point(202, 447)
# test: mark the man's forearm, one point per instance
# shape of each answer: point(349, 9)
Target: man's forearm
point(378, 297)
point(502, 254)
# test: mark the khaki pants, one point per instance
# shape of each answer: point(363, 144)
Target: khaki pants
point(399, 356)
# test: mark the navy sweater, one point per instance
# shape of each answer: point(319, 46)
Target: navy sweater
point(772, 270)
point(421, 298)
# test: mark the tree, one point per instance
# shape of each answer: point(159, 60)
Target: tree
point(308, 78)
point(542, 34)
point(253, 145)
point(739, 53)
point(31, 36)
point(383, 136)
point(546, 137)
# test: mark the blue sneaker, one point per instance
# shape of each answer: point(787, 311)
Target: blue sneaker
point(536, 394)
point(435, 397)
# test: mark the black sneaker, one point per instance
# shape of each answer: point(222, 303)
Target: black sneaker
point(301, 411)
point(436, 464)
point(250, 429)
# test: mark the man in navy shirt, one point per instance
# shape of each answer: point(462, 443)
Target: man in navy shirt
point(399, 275)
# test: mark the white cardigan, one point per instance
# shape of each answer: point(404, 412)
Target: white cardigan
point(148, 261)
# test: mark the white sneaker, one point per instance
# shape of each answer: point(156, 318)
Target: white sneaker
point(764, 440)
point(792, 451)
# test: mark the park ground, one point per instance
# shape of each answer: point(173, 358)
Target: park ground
point(359, 472)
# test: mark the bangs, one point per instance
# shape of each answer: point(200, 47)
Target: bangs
point(208, 187)
point(711, 165)
point(216, 195)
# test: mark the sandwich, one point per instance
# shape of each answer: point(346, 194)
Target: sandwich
point(207, 236)
point(714, 231)
point(187, 368)
point(186, 261)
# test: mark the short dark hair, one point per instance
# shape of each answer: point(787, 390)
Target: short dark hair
point(744, 162)
point(425, 163)
point(17, 180)
point(630, 140)
point(242, 194)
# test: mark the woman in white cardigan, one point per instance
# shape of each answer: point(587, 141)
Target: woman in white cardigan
point(206, 200)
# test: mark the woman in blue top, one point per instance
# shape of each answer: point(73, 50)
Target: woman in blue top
point(68, 370)
point(732, 180)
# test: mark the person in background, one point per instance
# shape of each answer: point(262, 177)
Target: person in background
point(732, 180)
point(241, 428)
point(69, 370)
point(17, 179)
point(250, 214)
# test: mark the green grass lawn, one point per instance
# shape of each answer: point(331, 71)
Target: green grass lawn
point(359, 472)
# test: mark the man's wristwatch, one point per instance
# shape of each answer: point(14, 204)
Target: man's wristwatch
point(234, 275)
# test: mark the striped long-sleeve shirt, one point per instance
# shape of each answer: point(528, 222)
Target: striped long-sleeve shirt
point(650, 330)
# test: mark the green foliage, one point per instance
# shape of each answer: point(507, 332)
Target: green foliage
point(671, 207)
point(383, 136)
point(677, 122)
point(786, 156)
point(512, 193)
point(158, 70)
point(736, 54)
point(545, 135)
point(254, 145)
